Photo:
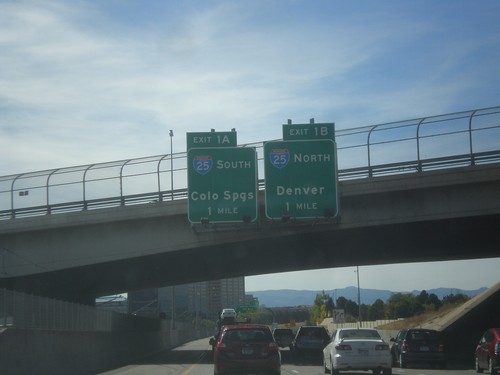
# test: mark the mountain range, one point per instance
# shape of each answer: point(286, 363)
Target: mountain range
point(290, 297)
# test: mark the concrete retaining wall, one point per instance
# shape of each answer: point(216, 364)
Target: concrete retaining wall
point(44, 352)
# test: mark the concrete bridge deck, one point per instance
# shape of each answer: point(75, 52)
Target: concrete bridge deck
point(426, 216)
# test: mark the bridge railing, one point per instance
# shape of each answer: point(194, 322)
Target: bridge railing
point(452, 140)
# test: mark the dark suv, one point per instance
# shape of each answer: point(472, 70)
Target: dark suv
point(488, 351)
point(417, 345)
point(310, 340)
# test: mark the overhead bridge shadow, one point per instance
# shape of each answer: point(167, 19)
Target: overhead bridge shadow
point(178, 357)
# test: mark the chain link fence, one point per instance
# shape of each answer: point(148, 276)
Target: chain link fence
point(445, 141)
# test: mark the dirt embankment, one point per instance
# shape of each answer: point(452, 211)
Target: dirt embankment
point(419, 320)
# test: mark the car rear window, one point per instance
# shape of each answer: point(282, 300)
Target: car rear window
point(281, 332)
point(248, 335)
point(422, 335)
point(318, 333)
point(359, 334)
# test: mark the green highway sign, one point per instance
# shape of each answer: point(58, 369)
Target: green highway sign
point(301, 179)
point(297, 132)
point(222, 184)
point(250, 307)
point(211, 139)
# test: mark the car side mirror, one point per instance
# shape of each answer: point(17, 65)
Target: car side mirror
point(392, 339)
point(212, 341)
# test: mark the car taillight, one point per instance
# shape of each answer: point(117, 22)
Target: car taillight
point(343, 347)
point(382, 347)
point(274, 347)
point(405, 347)
point(221, 345)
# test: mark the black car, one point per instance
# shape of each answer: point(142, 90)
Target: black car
point(310, 340)
point(418, 346)
point(283, 336)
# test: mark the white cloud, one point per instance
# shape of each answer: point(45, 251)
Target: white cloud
point(75, 77)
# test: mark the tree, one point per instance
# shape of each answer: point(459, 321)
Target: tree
point(320, 307)
point(423, 297)
point(341, 302)
point(329, 306)
point(400, 305)
point(377, 310)
point(455, 298)
point(351, 308)
point(434, 301)
point(365, 312)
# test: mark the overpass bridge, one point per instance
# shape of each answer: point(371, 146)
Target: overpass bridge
point(411, 191)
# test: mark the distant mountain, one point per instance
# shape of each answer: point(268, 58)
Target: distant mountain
point(289, 297)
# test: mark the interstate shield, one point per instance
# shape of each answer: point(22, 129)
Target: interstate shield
point(202, 164)
point(279, 157)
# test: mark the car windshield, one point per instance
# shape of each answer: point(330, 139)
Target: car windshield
point(248, 335)
point(359, 333)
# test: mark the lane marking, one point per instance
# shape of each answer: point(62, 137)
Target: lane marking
point(190, 368)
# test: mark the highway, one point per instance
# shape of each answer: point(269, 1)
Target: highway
point(194, 358)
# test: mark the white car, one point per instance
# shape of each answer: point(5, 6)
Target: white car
point(357, 349)
point(228, 313)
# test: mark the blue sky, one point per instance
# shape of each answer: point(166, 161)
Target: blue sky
point(85, 82)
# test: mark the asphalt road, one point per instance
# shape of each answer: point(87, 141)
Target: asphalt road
point(195, 358)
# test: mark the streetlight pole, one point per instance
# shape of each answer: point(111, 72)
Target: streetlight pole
point(172, 296)
point(171, 133)
point(359, 298)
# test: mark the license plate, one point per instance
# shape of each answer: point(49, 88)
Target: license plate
point(424, 348)
point(246, 351)
point(363, 351)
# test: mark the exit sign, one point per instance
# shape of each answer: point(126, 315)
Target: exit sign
point(297, 132)
point(211, 139)
point(301, 179)
point(222, 184)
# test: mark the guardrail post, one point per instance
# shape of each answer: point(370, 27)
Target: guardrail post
point(472, 160)
point(419, 162)
point(370, 173)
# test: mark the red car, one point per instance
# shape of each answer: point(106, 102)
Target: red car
point(488, 351)
point(247, 347)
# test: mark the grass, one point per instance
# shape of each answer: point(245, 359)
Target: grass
point(418, 320)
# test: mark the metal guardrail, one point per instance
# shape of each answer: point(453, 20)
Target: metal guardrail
point(452, 140)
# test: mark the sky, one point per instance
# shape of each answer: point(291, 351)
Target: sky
point(85, 82)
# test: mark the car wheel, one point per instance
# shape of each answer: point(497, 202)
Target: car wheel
point(325, 369)
point(478, 368)
point(394, 359)
point(376, 371)
point(402, 362)
point(387, 371)
point(335, 371)
point(492, 370)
